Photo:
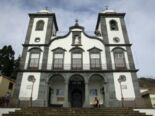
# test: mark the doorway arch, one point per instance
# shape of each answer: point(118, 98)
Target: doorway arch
point(96, 84)
point(56, 90)
point(76, 91)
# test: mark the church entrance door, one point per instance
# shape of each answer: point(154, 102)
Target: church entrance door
point(76, 98)
point(76, 91)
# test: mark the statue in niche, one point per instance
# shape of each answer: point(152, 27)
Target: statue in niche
point(77, 40)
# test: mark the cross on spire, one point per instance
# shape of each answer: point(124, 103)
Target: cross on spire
point(106, 7)
point(76, 22)
point(46, 8)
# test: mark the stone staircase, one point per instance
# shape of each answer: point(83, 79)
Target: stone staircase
point(45, 111)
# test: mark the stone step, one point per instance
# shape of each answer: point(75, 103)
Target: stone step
point(75, 112)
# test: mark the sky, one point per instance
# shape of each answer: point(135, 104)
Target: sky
point(140, 16)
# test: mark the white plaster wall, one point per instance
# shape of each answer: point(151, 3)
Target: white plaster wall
point(26, 86)
point(112, 34)
point(87, 43)
point(152, 97)
point(125, 55)
point(40, 34)
point(147, 111)
point(28, 56)
point(7, 110)
point(127, 93)
point(98, 86)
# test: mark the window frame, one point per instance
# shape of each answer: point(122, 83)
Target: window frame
point(34, 51)
point(91, 67)
point(53, 66)
point(79, 68)
point(115, 24)
point(58, 50)
point(38, 23)
point(119, 51)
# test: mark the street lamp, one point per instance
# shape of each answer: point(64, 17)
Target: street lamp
point(31, 79)
point(121, 79)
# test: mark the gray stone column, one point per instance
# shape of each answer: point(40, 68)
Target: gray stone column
point(86, 103)
point(66, 104)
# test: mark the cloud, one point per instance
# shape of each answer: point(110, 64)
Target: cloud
point(139, 20)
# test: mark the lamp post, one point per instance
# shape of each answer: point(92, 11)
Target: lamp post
point(31, 79)
point(121, 79)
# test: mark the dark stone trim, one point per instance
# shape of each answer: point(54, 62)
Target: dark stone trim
point(23, 58)
point(108, 15)
point(76, 50)
point(135, 84)
point(49, 30)
point(94, 37)
point(29, 30)
point(118, 44)
point(124, 30)
point(76, 26)
point(35, 49)
point(45, 57)
point(58, 50)
point(114, 49)
point(130, 58)
point(94, 49)
point(47, 40)
point(17, 85)
point(59, 37)
point(33, 15)
point(107, 49)
point(27, 45)
point(68, 71)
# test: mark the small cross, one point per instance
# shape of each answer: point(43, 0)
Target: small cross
point(46, 8)
point(76, 20)
point(106, 7)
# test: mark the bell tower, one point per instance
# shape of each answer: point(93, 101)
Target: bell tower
point(112, 28)
point(41, 29)
point(42, 26)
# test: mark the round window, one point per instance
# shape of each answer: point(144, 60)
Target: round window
point(37, 39)
point(116, 39)
point(31, 78)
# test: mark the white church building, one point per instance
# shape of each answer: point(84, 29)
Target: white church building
point(71, 70)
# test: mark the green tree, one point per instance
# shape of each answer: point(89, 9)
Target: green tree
point(7, 60)
point(16, 67)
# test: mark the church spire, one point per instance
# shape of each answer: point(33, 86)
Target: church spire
point(76, 22)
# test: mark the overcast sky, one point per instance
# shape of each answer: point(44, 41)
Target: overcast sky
point(140, 18)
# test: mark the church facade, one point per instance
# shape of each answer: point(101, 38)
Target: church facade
point(71, 70)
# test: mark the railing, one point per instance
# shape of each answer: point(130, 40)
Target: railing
point(75, 67)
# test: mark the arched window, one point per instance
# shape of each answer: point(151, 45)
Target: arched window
point(40, 25)
point(58, 58)
point(76, 58)
point(34, 58)
point(119, 58)
point(95, 58)
point(113, 25)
